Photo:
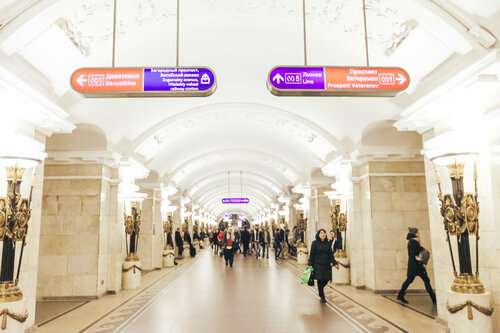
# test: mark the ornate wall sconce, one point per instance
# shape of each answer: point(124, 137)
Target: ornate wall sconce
point(132, 217)
point(460, 218)
point(338, 220)
point(15, 213)
point(460, 212)
point(185, 225)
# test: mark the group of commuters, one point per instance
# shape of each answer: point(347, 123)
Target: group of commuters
point(180, 238)
point(257, 241)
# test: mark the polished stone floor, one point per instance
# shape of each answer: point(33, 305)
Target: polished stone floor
point(253, 296)
point(203, 295)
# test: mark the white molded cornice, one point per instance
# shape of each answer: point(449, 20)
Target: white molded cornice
point(431, 109)
point(385, 153)
point(31, 105)
point(108, 158)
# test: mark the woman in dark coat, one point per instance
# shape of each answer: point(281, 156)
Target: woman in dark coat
point(321, 259)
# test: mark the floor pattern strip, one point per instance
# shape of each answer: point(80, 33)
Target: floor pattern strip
point(370, 321)
point(124, 314)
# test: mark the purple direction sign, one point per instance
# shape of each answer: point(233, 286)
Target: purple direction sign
point(235, 200)
point(296, 79)
point(179, 79)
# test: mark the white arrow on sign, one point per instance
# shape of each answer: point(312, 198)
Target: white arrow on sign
point(401, 79)
point(81, 79)
point(278, 77)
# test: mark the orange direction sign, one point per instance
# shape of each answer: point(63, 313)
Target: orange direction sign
point(144, 82)
point(337, 81)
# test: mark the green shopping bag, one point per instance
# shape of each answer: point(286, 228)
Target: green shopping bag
point(306, 275)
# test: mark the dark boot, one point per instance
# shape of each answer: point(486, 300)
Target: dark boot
point(401, 297)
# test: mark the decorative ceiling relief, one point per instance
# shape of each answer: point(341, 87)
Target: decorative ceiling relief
point(387, 28)
point(176, 128)
point(92, 21)
point(89, 25)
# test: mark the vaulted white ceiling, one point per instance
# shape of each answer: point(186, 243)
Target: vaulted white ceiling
point(275, 142)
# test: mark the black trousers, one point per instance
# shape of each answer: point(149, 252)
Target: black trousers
point(278, 249)
point(181, 248)
point(229, 256)
point(245, 248)
point(423, 275)
point(264, 248)
point(321, 287)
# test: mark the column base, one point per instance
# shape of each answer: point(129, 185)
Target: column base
point(185, 252)
point(302, 255)
point(206, 242)
point(168, 257)
point(16, 309)
point(131, 275)
point(196, 245)
point(469, 312)
point(343, 274)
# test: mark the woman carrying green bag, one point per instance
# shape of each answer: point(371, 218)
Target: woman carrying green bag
point(320, 259)
point(307, 276)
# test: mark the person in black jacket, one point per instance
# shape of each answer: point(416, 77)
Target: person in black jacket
point(178, 242)
point(245, 239)
point(415, 267)
point(279, 237)
point(187, 237)
point(320, 259)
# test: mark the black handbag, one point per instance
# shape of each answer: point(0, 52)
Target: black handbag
point(311, 280)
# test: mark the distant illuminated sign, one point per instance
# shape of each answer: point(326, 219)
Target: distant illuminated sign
point(337, 81)
point(235, 200)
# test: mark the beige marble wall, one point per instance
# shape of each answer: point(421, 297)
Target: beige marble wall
point(75, 225)
point(388, 197)
point(398, 202)
point(116, 238)
point(150, 241)
point(355, 235)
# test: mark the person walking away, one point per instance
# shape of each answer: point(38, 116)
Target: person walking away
point(287, 239)
point(179, 243)
point(228, 245)
point(256, 241)
point(278, 242)
point(187, 237)
point(245, 239)
point(320, 259)
point(291, 240)
point(265, 241)
point(415, 267)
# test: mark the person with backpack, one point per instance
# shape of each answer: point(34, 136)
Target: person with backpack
point(418, 257)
